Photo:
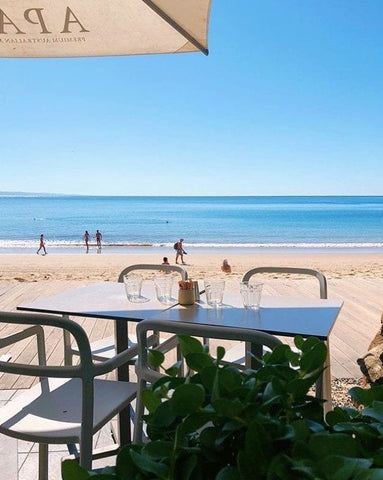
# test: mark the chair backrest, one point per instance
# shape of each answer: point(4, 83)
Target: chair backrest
point(153, 266)
point(86, 369)
point(147, 374)
point(291, 270)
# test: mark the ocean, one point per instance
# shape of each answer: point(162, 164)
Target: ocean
point(224, 224)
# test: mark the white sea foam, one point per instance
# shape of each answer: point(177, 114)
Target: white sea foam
point(62, 244)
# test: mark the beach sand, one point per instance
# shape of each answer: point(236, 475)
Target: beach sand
point(106, 267)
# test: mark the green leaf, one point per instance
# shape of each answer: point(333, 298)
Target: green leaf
point(220, 353)
point(187, 399)
point(229, 379)
point(375, 411)
point(337, 467)
point(299, 341)
point(314, 358)
point(228, 408)
point(279, 354)
point(162, 417)
point(71, 470)
point(364, 431)
point(208, 377)
point(371, 474)
point(125, 467)
point(195, 421)
point(365, 396)
point(258, 451)
point(173, 371)
point(324, 444)
point(361, 396)
point(103, 476)
point(155, 358)
point(198, 361)
point(301, 430)
point(189, 345)
point(150, 400)
point(279, 468)
point(146, 465)
point(228, 473)
point(301, 386)
point(187, 467)
point(337, 415)
point(157, 449)
point(309, 343)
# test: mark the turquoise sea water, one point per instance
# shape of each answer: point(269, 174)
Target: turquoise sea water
point(151, 224)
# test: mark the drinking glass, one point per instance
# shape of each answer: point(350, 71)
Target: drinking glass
point(163, 284)
point(214, 292)
point(251, 294)
point(133, 284)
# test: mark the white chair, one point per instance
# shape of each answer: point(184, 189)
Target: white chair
point(146, 374)
point(237, 354)
point(291, 270)
point(69, 404)
point(105, 348)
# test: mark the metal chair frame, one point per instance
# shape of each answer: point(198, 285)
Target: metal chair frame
point(293, 270)
point(146, 374)
point(69, 404)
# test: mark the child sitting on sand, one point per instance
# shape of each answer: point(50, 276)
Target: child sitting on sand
point(226, 267)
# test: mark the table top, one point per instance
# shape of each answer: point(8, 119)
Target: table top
point(285, 316)
point(106, 300)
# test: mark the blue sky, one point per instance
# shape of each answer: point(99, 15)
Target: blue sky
point(288, 102)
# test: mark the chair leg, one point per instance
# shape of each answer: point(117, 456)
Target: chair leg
point(86, 450)
point(43, 461)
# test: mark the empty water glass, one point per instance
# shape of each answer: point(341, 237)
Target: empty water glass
point(133, 284)
point(214, 292)
point(163, 284)
point(251, 294)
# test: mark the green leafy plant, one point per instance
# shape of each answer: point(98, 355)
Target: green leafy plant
point(219, 422)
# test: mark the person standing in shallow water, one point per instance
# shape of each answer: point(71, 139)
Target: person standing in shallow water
point(86, 240)
point(98, 240)
point(42, 245)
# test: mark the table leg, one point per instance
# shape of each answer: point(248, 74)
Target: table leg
point(121, 329)
point(326, 382)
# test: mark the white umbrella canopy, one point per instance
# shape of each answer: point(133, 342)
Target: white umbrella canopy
point(85, 28)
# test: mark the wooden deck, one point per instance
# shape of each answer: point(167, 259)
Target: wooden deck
point(357, 324)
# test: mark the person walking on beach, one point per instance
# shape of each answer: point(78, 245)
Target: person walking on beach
point(86, 240)
point(98, 240)
point(42, 245)
point(178, 246)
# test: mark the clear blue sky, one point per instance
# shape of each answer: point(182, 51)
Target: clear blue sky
point(289, 101)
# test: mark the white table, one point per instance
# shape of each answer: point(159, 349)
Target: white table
point(282, 316)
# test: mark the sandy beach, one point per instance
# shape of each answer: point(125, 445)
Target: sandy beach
point(93, 267)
